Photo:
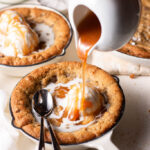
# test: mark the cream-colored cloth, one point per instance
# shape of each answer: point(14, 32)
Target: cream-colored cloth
point(60, 5)
point(115, 64)
point(7, 132)
point(10, 138)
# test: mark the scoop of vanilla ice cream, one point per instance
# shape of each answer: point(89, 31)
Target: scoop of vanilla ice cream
point(16, 36)
point(94, 96)
point(92, 103)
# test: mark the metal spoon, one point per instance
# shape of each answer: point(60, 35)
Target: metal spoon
point(43, 105)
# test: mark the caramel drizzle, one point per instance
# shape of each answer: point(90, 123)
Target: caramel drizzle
point(61, 91)
point(16, 23)
point(89, 31)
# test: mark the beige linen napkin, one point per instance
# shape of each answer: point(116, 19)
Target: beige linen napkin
point(60, 5)
point(117, 65)
point(11, 138)
point(7, 133)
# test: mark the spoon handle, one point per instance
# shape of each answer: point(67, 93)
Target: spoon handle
point(41, 143)
point(55, 143)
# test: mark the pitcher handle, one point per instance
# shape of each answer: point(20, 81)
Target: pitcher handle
point(103, 143)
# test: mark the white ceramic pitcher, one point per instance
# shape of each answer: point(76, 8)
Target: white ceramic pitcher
point(118, 19)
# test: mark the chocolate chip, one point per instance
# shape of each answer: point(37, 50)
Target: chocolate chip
point(42, 45)
point(32, 25)
point(53, 79)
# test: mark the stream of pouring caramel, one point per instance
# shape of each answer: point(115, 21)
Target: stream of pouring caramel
point(89, 32)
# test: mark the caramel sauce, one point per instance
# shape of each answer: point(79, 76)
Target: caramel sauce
point(15, 50)
point(61, 91)
point(89, 31)
point(22, 33)
point(16, 22)
point(65, 114)
point(74, 115)
point(19, 30)
point(87, 104)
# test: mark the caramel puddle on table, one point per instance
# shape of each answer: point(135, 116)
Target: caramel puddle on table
point(89, 31)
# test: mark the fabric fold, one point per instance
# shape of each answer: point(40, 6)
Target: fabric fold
point(117, 65)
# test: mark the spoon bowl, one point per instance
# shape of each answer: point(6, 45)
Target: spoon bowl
point(43, 103)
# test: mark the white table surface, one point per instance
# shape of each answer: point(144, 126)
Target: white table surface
point(133, 132)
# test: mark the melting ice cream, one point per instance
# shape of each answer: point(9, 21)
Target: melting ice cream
point(16, 36)
point(68, 98)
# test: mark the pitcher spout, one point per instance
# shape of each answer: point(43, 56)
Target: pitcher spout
point(118, 20)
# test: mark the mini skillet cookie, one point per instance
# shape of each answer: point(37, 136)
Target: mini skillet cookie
point(59, 27)
point(139, 45)
point(64, 72)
